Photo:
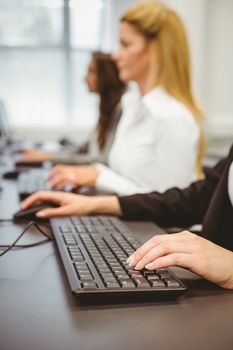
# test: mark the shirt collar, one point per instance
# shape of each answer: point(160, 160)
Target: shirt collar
point(156, 92)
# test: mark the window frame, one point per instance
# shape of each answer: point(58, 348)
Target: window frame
point(67, 49)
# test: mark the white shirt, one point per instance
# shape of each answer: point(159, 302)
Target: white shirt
point(230, 183)
point(155, 146)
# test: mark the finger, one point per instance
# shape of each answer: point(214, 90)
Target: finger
point(64, 185)
point(27, 157)
point(56, 170)
point(57, 180)
point(53, 212)
point(145, 248)
point(42, 197)
point(174, 259)
point(166, 247)
point(167, 239)
point(20, 150)
point(52, 173)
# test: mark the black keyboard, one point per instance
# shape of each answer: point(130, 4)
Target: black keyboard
point(35, 180)
point(94, 251)
point(31, 181)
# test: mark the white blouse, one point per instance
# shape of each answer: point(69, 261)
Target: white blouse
point(230, 183)
point(155, 146)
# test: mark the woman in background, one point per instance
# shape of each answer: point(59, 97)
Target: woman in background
point(158, 143)
point(102, 78)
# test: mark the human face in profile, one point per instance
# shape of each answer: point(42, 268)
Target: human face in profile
point(133, 56)
point(91, 78)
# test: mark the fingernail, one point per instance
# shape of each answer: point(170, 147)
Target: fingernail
point(149, 266)
point(131, 261)
point(139, 266)
point(40, 214)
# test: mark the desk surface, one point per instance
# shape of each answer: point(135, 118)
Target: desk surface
point(38, 312)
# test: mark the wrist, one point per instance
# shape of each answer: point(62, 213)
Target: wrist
point(228, 281)
point(105, 205)
point(94, 177)
point(49, 156)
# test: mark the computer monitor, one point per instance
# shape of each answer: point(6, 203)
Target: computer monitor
point(5, 130)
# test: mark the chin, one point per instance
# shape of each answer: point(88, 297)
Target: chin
point(124, 77)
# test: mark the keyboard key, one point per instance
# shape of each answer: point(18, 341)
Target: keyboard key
point(89, 285)
point(66, 228)
point(152, 277)
point(171, 282)
point(157, 283)
point(127, 284)
point(141, 282)
point(112, 285)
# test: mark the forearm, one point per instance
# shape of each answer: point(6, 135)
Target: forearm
point(108, 205)
point(175, 207)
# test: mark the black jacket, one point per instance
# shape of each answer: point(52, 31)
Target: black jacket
point(204, 202)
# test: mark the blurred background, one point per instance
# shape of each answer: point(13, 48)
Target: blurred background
point(45, 46)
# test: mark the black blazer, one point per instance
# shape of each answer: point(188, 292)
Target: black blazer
point(204, 202)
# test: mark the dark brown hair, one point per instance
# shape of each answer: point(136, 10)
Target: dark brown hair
point(110, 89)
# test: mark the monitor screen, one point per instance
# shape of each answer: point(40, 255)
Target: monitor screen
point(5, 130)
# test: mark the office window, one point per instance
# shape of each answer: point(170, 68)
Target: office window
point(28, 22)
point(45, 47)
point(85, 29)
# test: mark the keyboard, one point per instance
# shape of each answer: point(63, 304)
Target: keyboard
point(31, 181)
point(35, 180)
point(94, 250)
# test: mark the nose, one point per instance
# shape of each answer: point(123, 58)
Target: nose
point(87, 80)
point(115, 55)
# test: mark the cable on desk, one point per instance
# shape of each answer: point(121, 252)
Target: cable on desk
point(14, 245)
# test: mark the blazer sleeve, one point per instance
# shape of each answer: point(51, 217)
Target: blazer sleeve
point(174, 207)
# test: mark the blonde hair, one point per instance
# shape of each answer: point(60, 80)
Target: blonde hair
point(161, 26)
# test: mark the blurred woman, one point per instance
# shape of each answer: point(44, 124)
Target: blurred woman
point(102, 78)
point(158, 143)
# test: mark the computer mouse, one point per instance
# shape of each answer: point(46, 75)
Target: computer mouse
point(30, 213)
point(28, 164)
point(64, 141)
point(11, 174)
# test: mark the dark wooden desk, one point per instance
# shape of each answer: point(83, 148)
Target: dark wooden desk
point(38, 312)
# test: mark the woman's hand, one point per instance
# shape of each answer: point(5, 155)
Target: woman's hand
point(73, 204)
point(34, 155)
point(187, 250)
point(76, 176)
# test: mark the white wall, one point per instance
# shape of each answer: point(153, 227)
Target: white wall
point(219, 60)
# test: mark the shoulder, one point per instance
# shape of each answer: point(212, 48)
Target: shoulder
point(168, 109)
point(131, 95)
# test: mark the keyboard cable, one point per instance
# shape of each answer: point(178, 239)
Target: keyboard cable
point(7, 248)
